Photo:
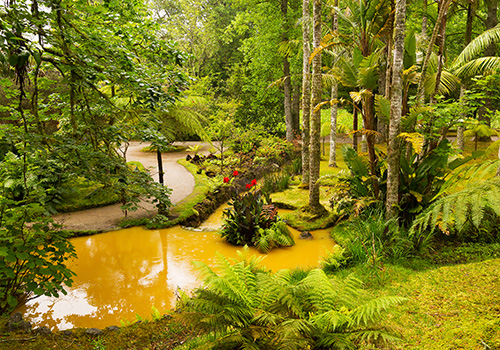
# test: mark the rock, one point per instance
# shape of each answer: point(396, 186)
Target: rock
point(43, 330)
point(68, 333)
point(113, 328)
point(16, 323)
point(306, 235)
point(93, 332)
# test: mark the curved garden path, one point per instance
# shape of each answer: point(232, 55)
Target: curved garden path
point(107, 218)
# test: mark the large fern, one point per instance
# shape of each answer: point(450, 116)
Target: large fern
point(247, 308)
point(458, 208)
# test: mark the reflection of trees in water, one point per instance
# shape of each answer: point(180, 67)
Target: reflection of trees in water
point(111, 267)
point(126, 272)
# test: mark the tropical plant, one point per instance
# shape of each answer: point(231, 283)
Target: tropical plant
point(471, 208)
point(243, 306)
point(253, 220)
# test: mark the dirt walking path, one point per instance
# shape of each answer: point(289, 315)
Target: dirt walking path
point(107, 218)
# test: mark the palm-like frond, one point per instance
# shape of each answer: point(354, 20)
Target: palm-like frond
point(477, 46)
point(478, 66)
point(448, 83)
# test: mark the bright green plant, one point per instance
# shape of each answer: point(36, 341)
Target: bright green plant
point(472, 212)
point(253, 220)
point(32, 259)
point(244, 307)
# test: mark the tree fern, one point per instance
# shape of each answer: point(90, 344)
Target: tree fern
point(455, 209)
point(278, 313)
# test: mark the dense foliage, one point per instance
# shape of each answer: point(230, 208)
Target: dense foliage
point(253, 220)
point(245, 306)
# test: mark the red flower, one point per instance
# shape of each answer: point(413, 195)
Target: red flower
point(226, 180)
point(235, 173)
point(254, 182)
point(249, 185)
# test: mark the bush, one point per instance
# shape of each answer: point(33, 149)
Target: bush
point(244, 307)
point(253, 220)
point(32, 260)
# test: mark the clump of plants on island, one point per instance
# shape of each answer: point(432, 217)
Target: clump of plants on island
point(253, 220)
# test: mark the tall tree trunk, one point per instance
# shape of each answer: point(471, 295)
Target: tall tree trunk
point(491, 50)
point(316, 90)
point(440, 41)
point(332, 162)
point(286, 75)
point(443, 9)
point(393, 152)
point(460, 128)
point(160, 166)
point(306, 93)
point(296, 108)
point(424, 18)
point(369, 121)
point(471, 10)
point(355, 127)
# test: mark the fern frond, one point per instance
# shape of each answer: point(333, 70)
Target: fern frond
point(332, 321)
point(371, 311)
point(415, 139)
point(470, 203)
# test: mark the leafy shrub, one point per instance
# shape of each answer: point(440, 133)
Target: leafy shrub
point(32, 260)
point(245, 307)
point(252, 220)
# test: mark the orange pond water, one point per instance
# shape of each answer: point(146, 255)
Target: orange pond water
point(126, 272)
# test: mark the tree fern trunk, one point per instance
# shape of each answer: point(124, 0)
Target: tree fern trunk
point(315, 149)
point(393, 152)
point(332, 162)
point(306, 93)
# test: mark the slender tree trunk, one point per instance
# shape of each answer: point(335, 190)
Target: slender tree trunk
point(491, 22)
point(286, 75)
point(355, 128)
point(306, 93)
point(369, 121)
point(393, 152)
point(460, 128)
point(471, 9)
point(332, 162)
point(424, 18)
point(316, 90)
point(491, 50)
point(441, 41)
point(296, 108)
point(160, 166)
point(443, 9)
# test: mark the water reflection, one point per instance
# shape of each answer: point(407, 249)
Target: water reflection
point(124, 273)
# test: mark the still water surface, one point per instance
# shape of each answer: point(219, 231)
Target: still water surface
point(126, 272)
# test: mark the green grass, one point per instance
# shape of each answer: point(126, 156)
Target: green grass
point(203, 185)
point(80, 194)
point(451, 307)
point(169, 149)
